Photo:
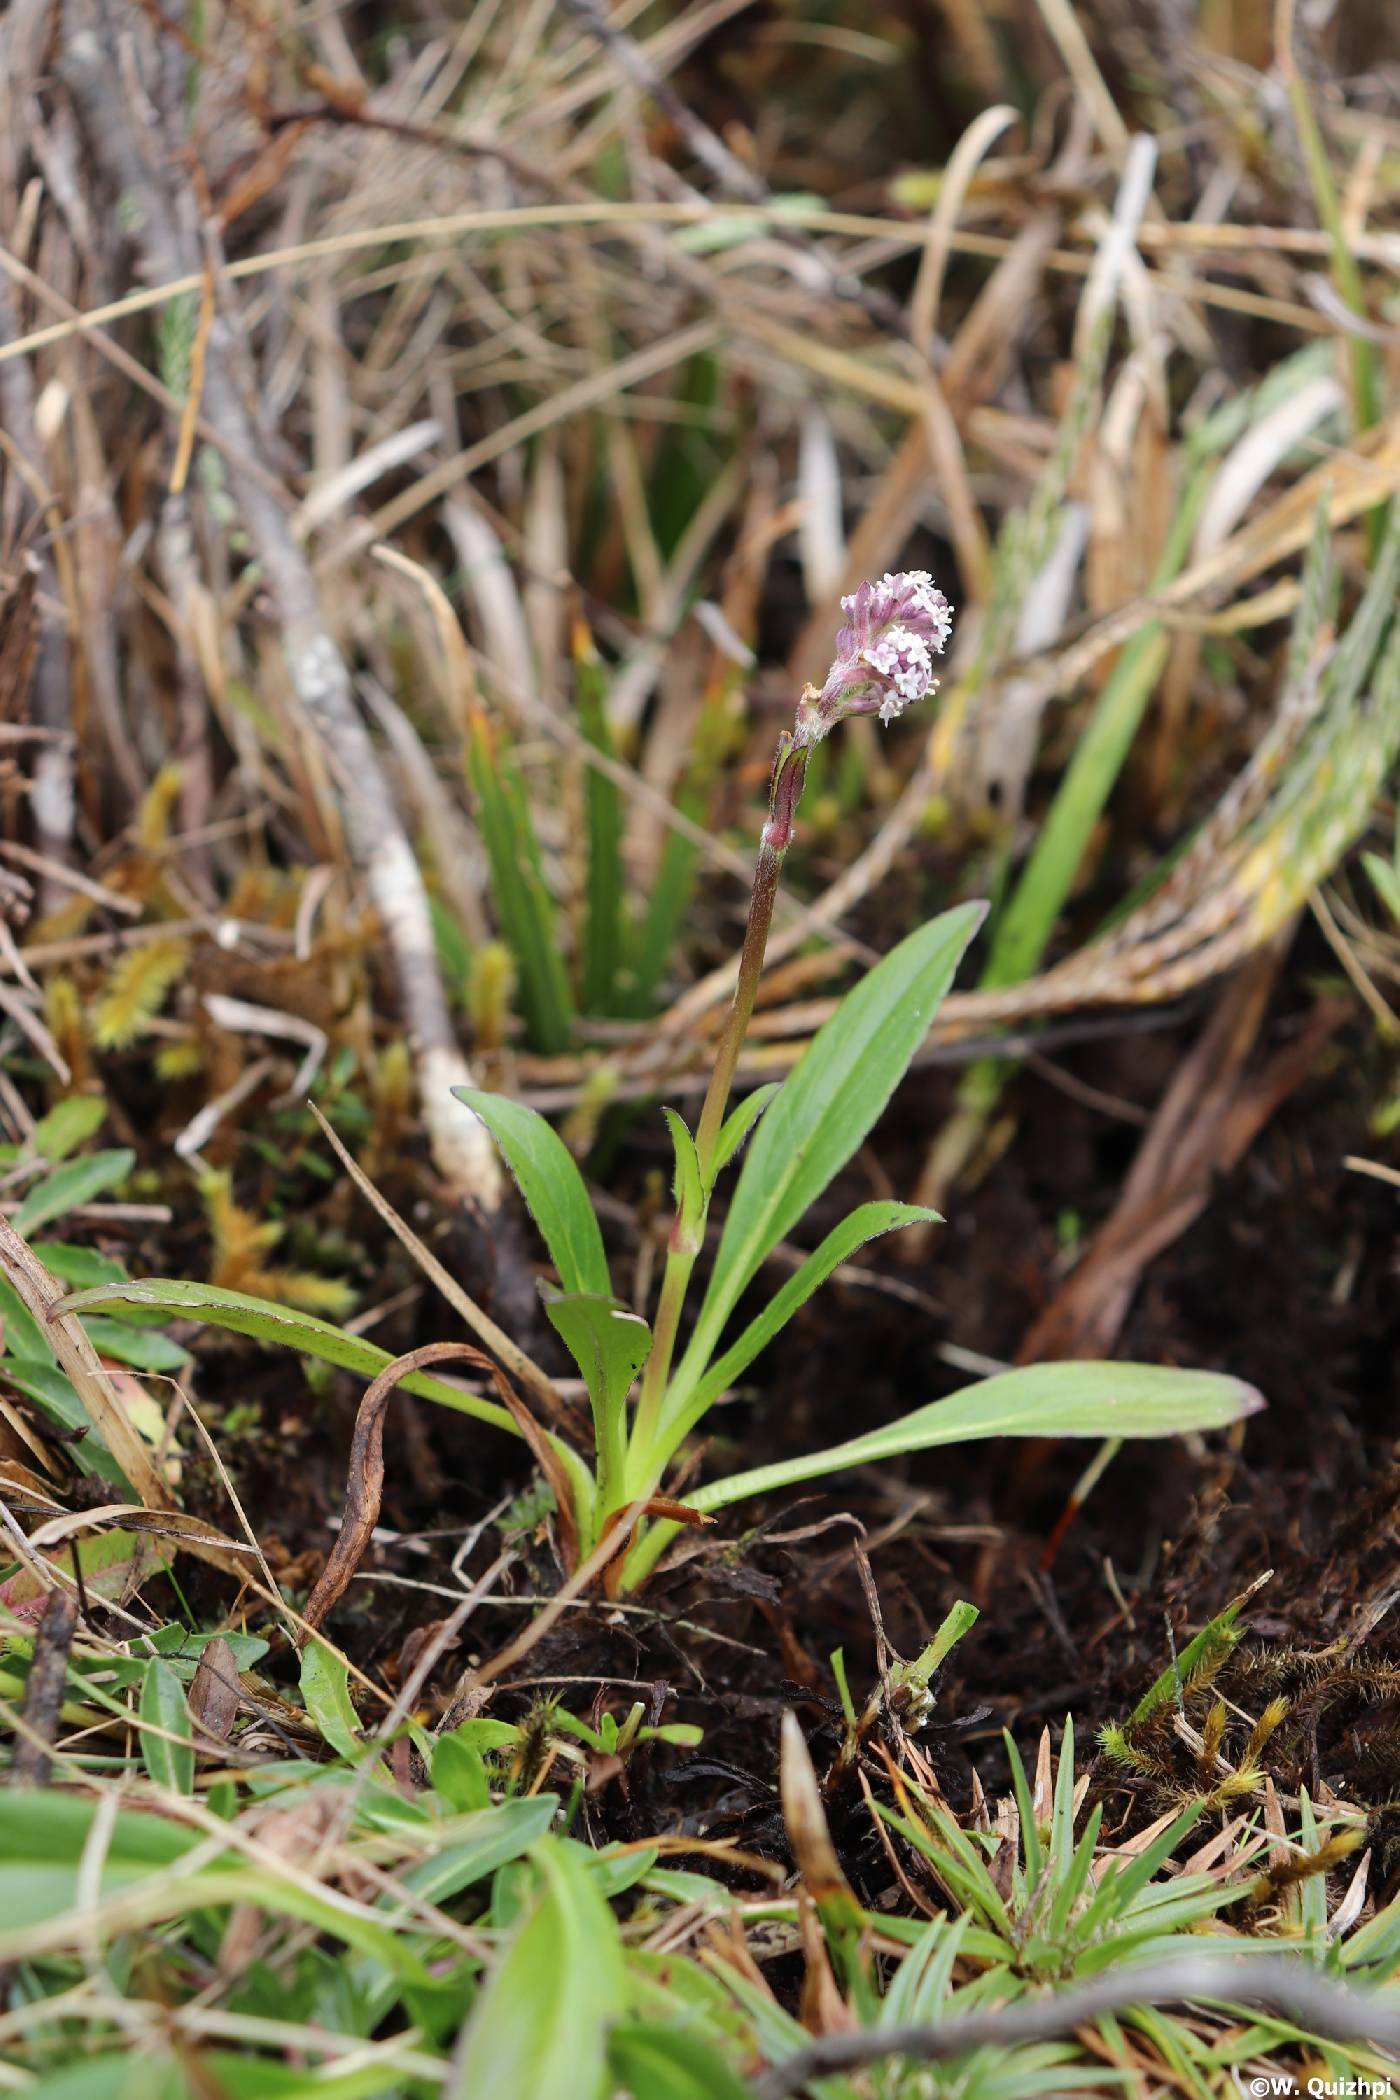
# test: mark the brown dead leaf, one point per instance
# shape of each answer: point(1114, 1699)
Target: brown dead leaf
point(215, 1694)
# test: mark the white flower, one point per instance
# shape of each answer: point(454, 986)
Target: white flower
point(903, 657)
point(884, 653)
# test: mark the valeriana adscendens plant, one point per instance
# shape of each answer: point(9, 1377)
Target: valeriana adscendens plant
point(799, 1135)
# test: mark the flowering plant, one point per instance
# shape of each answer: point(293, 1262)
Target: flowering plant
point(796, 1137)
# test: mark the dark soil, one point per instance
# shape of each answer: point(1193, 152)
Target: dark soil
point(1287, 1280)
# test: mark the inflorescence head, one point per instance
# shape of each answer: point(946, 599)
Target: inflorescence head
point(884, 653)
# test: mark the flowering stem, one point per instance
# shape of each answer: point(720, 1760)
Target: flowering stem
point(789, 775)
point(674, 1283)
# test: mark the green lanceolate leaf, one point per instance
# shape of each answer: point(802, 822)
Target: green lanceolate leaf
point(163, 1708)
point(740, 1121)
point(76, 1182)
point(266, 1322)
point(684, 1408)
point(541, 2022)
point(688, 1188)
point(325, 1687)
point(459, 1775)
point(138, 1346)
point(56, 1396)
point(670, 2063)
point(824, 1109)
point(607, 1341)
point(609, 1344)
point(552, 1186)
point(23, 1334)
point(70, 1124)
point(1051, 1400)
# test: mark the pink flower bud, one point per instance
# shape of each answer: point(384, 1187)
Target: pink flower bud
point(884, 653)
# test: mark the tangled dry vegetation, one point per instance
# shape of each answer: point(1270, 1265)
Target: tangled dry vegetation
point(433, 447)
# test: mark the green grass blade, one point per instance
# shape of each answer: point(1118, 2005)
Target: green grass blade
point(1031, 1851)
point(603, 829)
point(521, 897)
point(1024, 930)
point(663, 920)
point(665, 915)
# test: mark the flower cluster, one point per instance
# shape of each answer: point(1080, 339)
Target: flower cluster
point(884, 653)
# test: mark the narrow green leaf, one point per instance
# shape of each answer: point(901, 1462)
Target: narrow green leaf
point(24, 1336)
point(1075, 1878)
point(664, 916)
point(688, 1189)
point(148, 2076)
point(1062, 1813)
point(682, 1412)
point(518, 888)
point(325, 1688)
point(665, 912)
point(1385, 881)
point(144, 1349)
point(823, 1110)
point(54, 1825)
point(922, 1981)
point(459, 1775)
point(70, 1124)
point(77, 1182)
point(607, 1341)
point(1030, 1833)
point(541, 2022)
point(1122, 1883)
point(740, 1121)
point(82, 1267)
point(1024, 929)
point(266, 1322)
point(250, 2077)
point(554, 1190)
point(472, 1847)
point(108, 1563)
point(55, 1396)
point(671, 2063)
point(609, 1344)
point(163, 1706)
point(454, 950)
point(1049, 1400)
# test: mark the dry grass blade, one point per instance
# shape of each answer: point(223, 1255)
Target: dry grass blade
point(364, 1494)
